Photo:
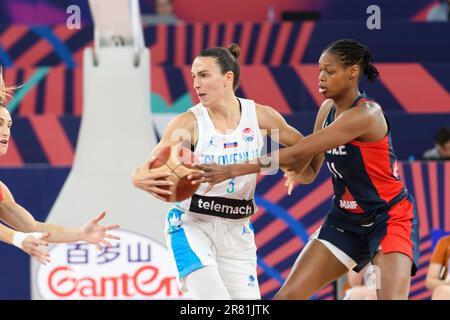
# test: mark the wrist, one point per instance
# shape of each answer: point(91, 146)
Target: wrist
point(79, 234)
point(232, 172)
point(18, 238)
point(265, 161)
point(286, 158)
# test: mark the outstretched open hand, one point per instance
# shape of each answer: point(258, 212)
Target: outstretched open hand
point(33, 246)
point(96, 234)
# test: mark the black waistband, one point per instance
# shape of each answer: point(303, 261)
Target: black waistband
point(402, 195)
point(367, 217)
point(222, 207)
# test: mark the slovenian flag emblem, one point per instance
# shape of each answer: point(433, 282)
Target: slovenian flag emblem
point(228, 145)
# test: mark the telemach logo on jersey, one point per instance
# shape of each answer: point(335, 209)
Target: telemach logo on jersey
point(136, 267)
point(222, 207)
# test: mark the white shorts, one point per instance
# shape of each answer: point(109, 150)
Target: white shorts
point(198, 240)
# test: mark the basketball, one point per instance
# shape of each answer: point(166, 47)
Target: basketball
point(176, 159)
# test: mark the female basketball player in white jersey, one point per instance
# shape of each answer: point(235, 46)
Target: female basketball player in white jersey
point(31, 234)
point(210, 236)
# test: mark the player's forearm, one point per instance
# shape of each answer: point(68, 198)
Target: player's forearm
point(243, 169)
point(293, 158)
point(59, 233)
point(267, 162)
point(20, 219)
point(16, 216)
point(286, 157)
point(6, 234)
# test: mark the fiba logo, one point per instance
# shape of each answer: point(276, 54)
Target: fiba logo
point(248, 135)
point(251, 281)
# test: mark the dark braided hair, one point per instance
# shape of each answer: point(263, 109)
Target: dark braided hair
point(226, 58)
point(352, 52)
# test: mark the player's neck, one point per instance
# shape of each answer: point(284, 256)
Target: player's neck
point(227, 108)
point(345, 101)
point(226, 117)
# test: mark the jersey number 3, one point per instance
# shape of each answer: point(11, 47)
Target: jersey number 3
point(231, 186)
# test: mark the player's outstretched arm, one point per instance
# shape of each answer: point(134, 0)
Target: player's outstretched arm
point(19, 218)
point(274, 125)
point(350, 125)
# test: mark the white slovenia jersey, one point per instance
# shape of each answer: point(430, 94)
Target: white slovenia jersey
point(242, 144)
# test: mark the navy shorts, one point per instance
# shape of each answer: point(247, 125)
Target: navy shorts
point(393, 228)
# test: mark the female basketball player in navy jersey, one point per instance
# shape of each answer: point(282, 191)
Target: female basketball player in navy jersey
point(28, 234)
point(372, 216)
point(214, 249)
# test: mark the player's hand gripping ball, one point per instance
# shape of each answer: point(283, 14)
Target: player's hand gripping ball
point(176, 159)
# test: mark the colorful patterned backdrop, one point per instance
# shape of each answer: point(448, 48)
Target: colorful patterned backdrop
point(54, 11)
point(279, 69)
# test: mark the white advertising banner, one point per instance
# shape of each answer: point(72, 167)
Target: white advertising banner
point(136, 267)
